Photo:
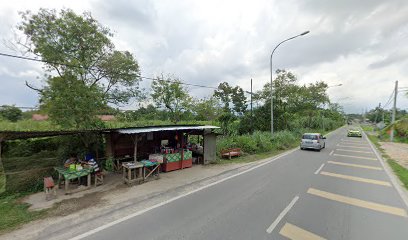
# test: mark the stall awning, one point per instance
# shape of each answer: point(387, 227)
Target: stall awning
point(163, 128)
point(14, 135)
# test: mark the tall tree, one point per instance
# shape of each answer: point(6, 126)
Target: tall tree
point(171, 95)
point(77, 49)
point(233, 103)
point(232, 98)
point(11, 113)
point(207, 109)
point(295, 106)
point(74, 107)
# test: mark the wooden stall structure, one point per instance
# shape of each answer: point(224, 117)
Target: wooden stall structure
point(168, 144)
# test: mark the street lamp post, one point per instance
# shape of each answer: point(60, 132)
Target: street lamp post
point(304, 33)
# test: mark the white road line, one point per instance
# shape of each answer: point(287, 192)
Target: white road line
point(331, 153)
point(347, 150)
point(98, 229)
point(354, 142)
point(350, 156)
point(282, 215)
point(348, 140)
point(320, 168)
point(348, 146)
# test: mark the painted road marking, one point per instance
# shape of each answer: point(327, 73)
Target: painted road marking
point(357, 179)
point(296, 233)
point(331, 153)
point(392, 177)
point(350, 156)
point(358, 203)
point(110, 224)
point(354, 143)
point(352, 146)
point(355, 151)
point(282, 215)
point(349, 140)
point(355, 165)
point(320, 168)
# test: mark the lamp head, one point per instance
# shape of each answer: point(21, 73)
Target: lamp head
point(304, 33)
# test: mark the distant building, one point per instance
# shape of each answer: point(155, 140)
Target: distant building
point(39, 117)
point(107, 118)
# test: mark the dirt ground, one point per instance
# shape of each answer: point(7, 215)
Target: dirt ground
point(397, 151)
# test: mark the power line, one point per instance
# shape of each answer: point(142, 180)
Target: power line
point(77, 66)
point(389, 100)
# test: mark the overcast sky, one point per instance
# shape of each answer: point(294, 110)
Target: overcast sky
point(361, 44)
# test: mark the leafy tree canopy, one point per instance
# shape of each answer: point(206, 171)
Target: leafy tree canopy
point(171, 95)
point(232, 98)
point(10, 113)
point(78, 50)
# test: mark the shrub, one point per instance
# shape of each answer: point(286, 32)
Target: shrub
point(258, 142)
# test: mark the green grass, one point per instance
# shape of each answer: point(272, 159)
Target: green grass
point(14, 214)
point(30, 125)
point(367, 128)
point(259, 145)
point(400, 171)
point(2, 181)
point(249, 157)
point(27, 125)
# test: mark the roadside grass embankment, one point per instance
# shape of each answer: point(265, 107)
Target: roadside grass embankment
point(400, 171)
point(259, 145)
point(14, 213)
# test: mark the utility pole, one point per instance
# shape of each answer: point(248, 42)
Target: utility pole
point(252, 121)
point(376, 113)
point(383, 110)
point(393, 112)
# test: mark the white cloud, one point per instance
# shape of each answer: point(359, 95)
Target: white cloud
point(361, 44)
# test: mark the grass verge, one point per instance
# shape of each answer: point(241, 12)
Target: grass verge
point(14, 213)
point(400, 171)
point(250, 157)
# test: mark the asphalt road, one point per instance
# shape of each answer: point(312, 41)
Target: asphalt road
point(293, 197)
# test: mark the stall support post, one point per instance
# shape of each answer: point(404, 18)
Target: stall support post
point(182, 150)
point(135, 148)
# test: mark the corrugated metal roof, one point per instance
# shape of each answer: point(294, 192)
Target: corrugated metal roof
point(13, 135)
point(157, 129)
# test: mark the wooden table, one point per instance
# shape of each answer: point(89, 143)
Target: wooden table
point(150, 168)
point(132, 172)
point(73, 174)
point(117, 163)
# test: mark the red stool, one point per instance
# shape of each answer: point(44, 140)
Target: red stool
point(49, 187)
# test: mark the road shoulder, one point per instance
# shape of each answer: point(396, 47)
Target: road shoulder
point(399, 186)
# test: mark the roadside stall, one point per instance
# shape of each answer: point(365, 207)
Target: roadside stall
point(160, 148)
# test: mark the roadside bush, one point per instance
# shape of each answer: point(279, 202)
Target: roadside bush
point(258, 142)
point(284, 140)
point(263, 141)
point(247, 143)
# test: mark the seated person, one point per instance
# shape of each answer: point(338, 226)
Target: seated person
point(90, 161)
point(197, 149)
point(69, 161)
